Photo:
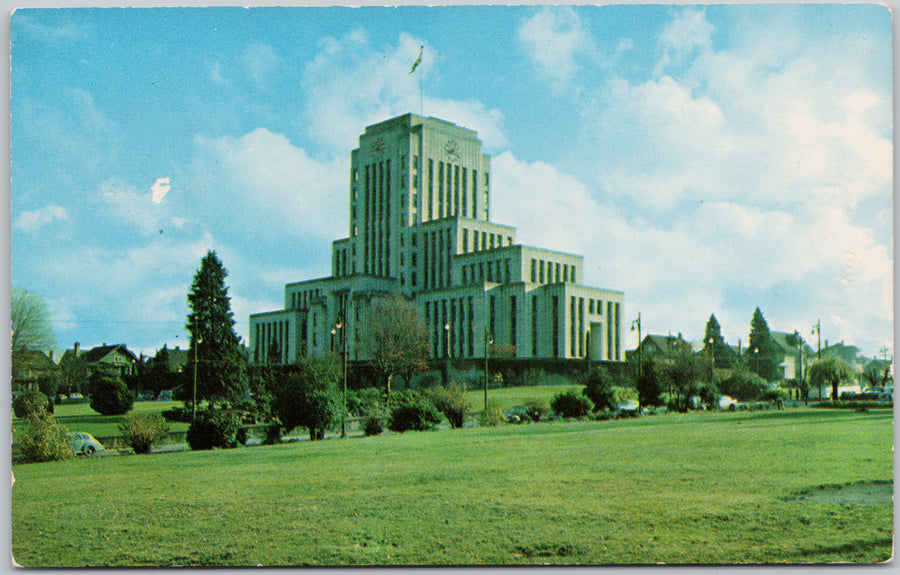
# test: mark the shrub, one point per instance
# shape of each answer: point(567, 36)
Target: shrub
point(142, 430)
point(451, 400)
point(43, 439)
point(599, 390)
point(744, 386)
point(492, 416)
point(414, 415)
point(31, 403)
point(363, 401)
point(649, 386)
point(373, 422)
point(178, 414)
point(570, 403)
point(308, 396)
point(109, 396)
point(709, 395)
point(213, 429)
point(536, 409)
point(273, 434)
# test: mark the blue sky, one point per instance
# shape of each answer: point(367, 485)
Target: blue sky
point(703, 159)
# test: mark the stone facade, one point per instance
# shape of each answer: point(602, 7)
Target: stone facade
point(420, 226)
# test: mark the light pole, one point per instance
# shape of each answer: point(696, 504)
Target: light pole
point(712, 359)
point(637, 324)
point(487, 341)
point(756, 361)
point(448, 353)
point(194, 402)
point(340, 329)
point(817, 329)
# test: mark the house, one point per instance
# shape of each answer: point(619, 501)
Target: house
point(792, 359)
point(656, 348)
point(29, 366)
point(849, 354)
point(116, 358)
point(178, 359)
point(175, 359)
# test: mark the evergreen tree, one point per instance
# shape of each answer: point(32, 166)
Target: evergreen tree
point(761, 354)
point(714, 343)
point(220, 362)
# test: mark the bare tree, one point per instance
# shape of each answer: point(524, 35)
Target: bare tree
point(398, 341)
point(30, 320)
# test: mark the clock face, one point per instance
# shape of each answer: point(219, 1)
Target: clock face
point(379, 145)
point(451, 148)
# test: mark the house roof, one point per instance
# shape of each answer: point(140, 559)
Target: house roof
point(847, 353)
point(781, 340)
point(98, 353)
point(26, 360)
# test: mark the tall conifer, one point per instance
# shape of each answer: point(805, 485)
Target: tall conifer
point(760, 352)
point(220, 364)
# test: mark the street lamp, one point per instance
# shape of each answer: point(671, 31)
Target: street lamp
point(712, 360)
point(194, 402)
point(488, 340)
point(637, 323)
point(817, 329)
point(342, 341)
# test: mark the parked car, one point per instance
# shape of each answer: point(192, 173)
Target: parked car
point(84, 443)
point(630, 407)
point(726, 402)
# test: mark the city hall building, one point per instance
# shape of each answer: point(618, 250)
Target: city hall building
point(420, 226)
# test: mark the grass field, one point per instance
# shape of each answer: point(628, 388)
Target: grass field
point(679, 489)
point(80, 417)
point(507, 397)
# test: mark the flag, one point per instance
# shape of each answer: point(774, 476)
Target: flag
point(418, 61)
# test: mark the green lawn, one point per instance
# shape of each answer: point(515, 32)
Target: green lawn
point(507, 397)
point(80, 417)
point(695, 488)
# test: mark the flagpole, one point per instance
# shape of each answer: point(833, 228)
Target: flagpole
point(413, 69)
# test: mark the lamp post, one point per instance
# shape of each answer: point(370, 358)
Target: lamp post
point(487, 341)
point(194, 401)
point(817, 329)
point(448, 353)
point(637, 324)
point(712, 359)
point(342, 341)
point(756, 361)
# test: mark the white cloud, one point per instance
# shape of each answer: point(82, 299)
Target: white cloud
point(687, 32)
point(122, 202)
point(550, 209)
point(33, 220)
point(349, 85)
point(260, 62)
point(261, 181)
point(553, 38)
